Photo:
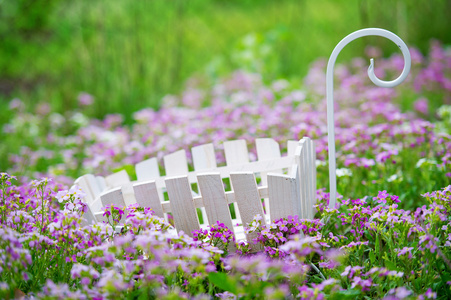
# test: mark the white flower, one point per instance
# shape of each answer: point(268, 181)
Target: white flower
point(320, 163)
point(343, 172)
point(425, 161)
point(392, 178)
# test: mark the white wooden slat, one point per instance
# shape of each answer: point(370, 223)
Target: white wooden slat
point(96, 205)
point(146, 195)
point(236, 152)
point(267, 149)
point(214, 199)
point(117, 179)
point(147, 169)
point(101, 183)
point(182, 205)
point(100, 217)
point(294, 173)
point(299, 156)
point(175, 164)
point(128, 194)
point(248, 200)
point(90, 186)
point(309, 180)
point(94, 185)
point(291, 147)
point(204, 157)
point(89, 217)
point(96, 209)
point(83, 183)
point(283, 191)
point(305, 178)
point(313, 175)
point(113, 196)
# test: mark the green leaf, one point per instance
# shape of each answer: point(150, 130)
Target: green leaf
point(346, 294)
point(223, 281)
point(376, 246)
point(390, 265)
point(372, 256)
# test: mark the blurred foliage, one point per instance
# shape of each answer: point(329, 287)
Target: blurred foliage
point(128, 54)
point(24, 17)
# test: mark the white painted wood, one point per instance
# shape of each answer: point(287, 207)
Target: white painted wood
point(283, 191)
point(88, 217)
point(267, 149)
point(146, 195)
point(96, 205)
point(147, 169)
point(224, 171)
point(294, 173)
point(97, 209)
point(248, 200)
point(117, 179)
point(128, 194)
point(236, 152)
point(204, 157)
point(89, 185)
point(113, 196)
point(94, 185)
point(214, 199)
point(183, 210)
point(288, 195)
point(313, 175)
point(83, 183)
point(175, 164)
point(291, 147)
point(230, 197)
point(299, 156)
point(309, 172)
point(305, 164)
point(101, 183)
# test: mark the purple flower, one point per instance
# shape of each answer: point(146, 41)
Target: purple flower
point(85, 99)
point(421, 105)
point(404, 251)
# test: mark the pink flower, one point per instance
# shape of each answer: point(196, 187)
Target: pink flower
point(85, 99)
point(421, 105)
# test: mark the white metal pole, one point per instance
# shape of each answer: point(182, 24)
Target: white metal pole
point(330, 95)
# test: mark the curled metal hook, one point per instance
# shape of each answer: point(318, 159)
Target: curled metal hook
point(330, 97)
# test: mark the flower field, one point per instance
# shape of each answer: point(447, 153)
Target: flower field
point(388, 237)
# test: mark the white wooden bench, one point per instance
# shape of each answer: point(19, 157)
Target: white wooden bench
point(292, 193)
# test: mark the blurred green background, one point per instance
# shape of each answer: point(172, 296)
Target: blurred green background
point(128, 54)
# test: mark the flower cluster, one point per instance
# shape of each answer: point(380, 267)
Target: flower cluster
point(218, 235)
point(381, 133)
point(73, 199)
point(389, 236)
point(392, 249)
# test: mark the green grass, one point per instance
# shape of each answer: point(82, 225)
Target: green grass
point(129, 53)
